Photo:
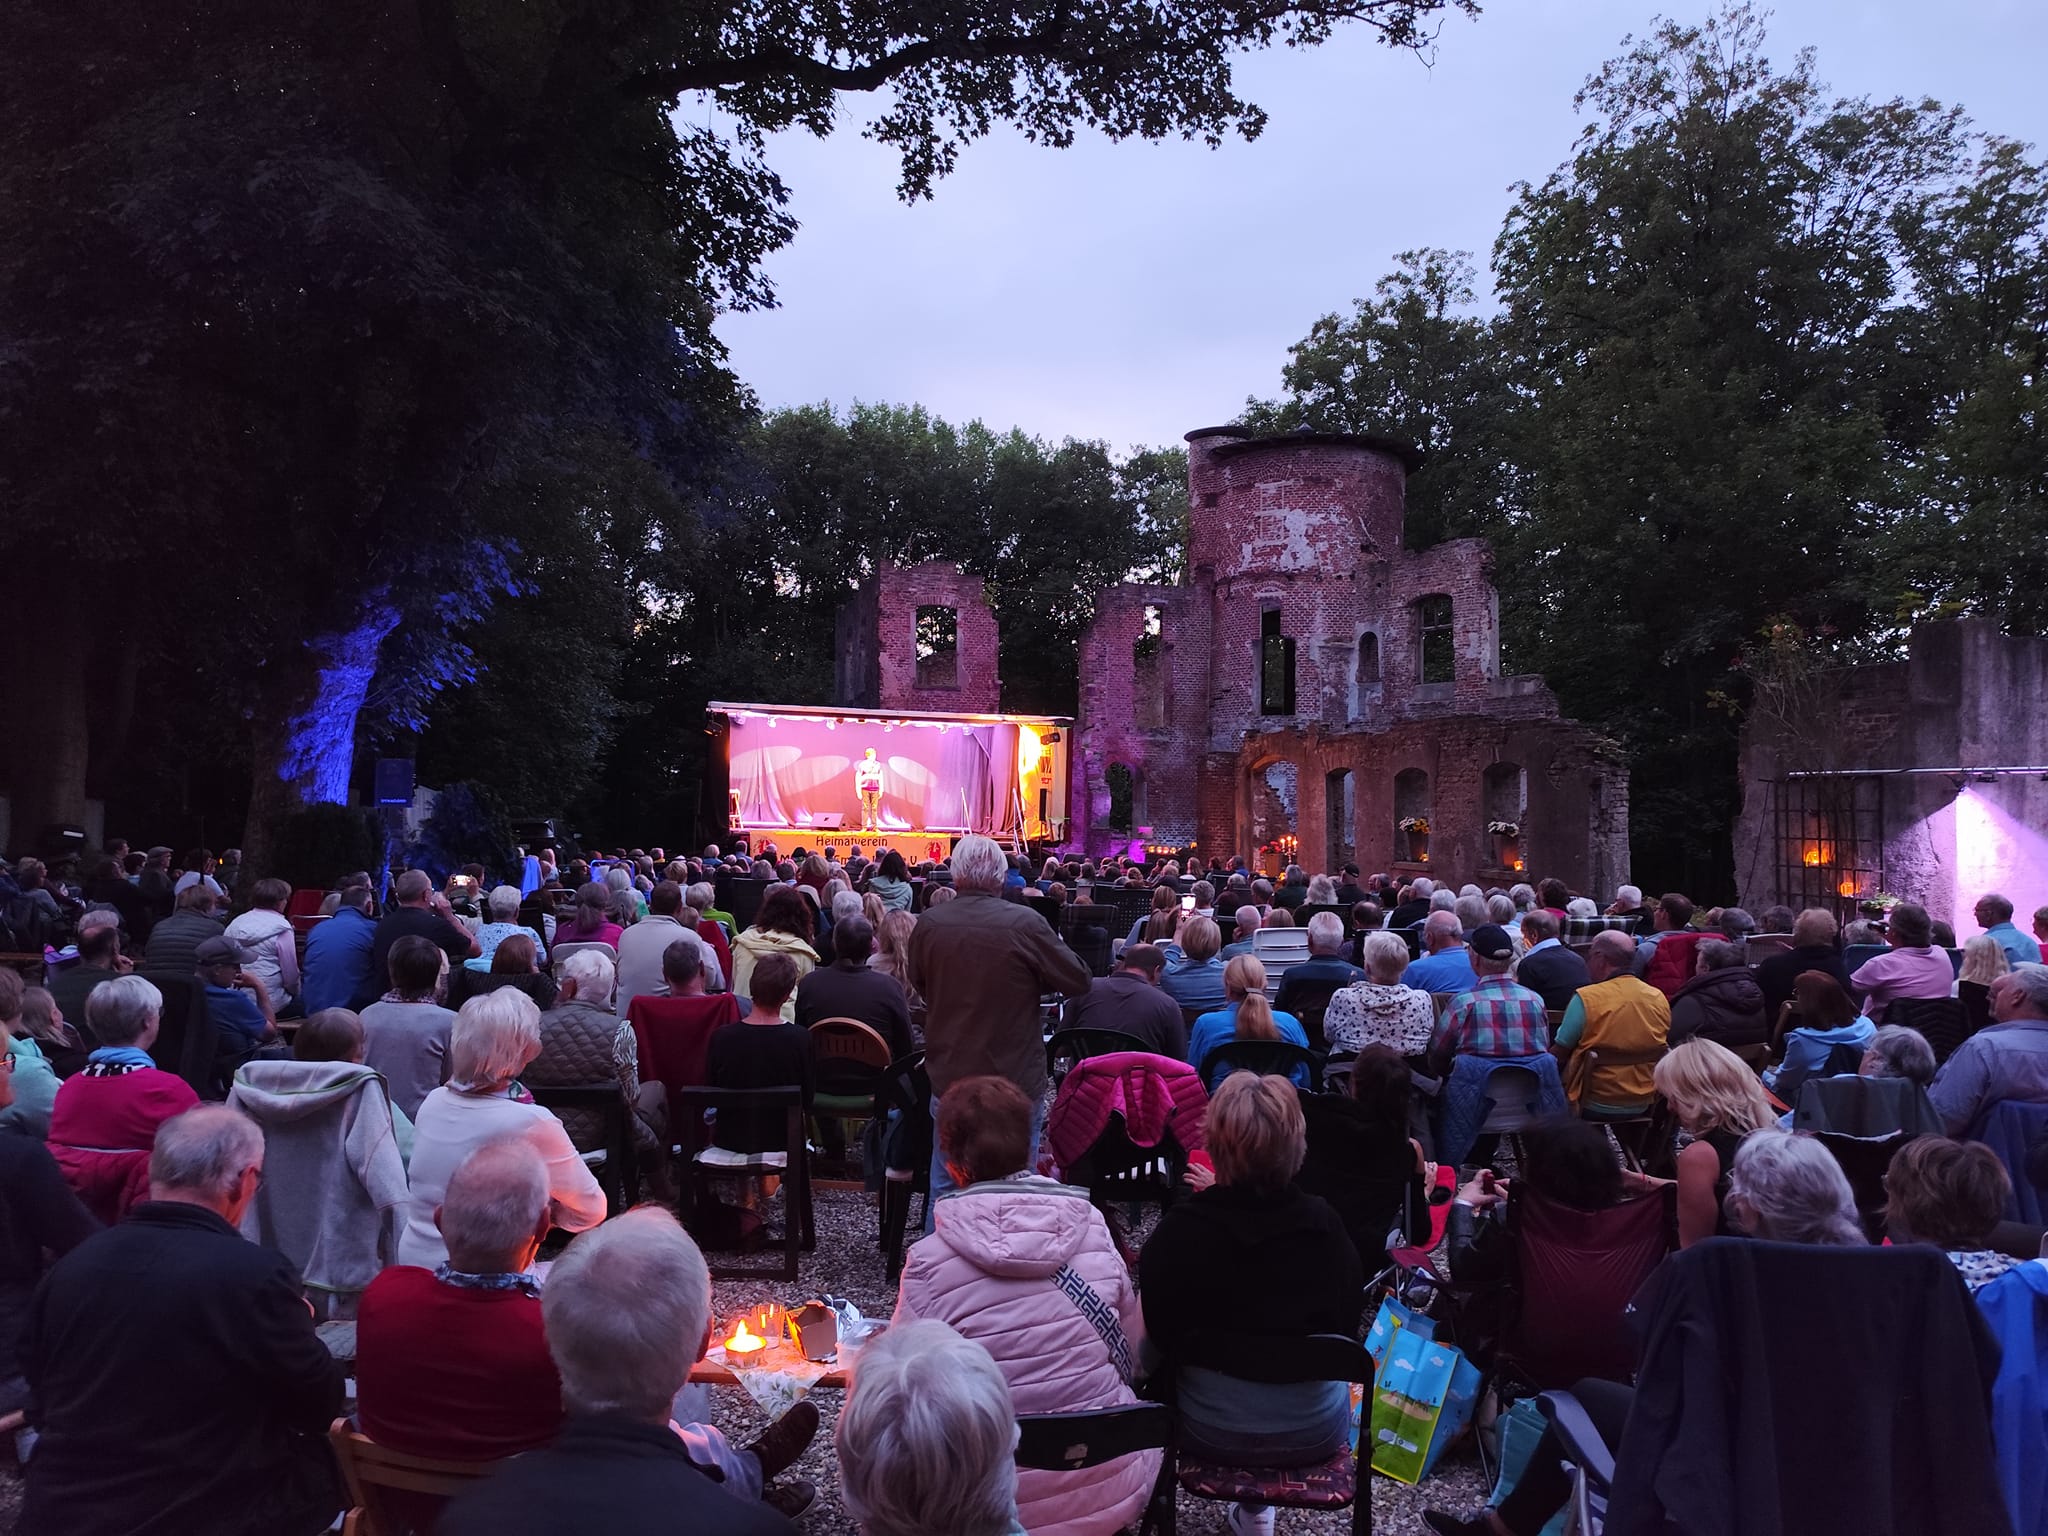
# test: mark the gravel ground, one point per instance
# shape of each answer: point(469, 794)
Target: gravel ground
point(848, 1262)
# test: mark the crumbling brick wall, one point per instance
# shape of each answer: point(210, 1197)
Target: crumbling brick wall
point(975, 685)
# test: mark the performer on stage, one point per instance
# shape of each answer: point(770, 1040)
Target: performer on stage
point(867, 779)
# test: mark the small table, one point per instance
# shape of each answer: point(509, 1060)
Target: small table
point(711, 1373)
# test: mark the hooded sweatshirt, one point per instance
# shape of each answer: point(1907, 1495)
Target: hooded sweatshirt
point(751, 945)
point(1011, 1263)
point(334, 1186)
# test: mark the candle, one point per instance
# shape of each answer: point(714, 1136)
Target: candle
point(744, 1340)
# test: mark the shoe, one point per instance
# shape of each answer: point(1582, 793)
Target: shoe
point(1446, 1524)
point(1248, 1520)
point(785, 1440)
point(792, 1499)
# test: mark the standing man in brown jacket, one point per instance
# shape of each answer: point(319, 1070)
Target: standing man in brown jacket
point(982, 964)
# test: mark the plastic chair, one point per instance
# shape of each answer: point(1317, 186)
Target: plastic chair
point(1069, 1442)
point(1514, 1102)
point(905, 1092)
point(1345, 1479)
point(187, 1041)
point(374, 1472)
point(1268, 1058)
point(1945, 1021)
point(619, 1173)
point(1068, 1046)
point(562, 952)
point(794, 1168)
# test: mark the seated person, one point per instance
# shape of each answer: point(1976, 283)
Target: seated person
point(1911, 968)
point(99, 959)
point(336, 971)
point(760, 1051)
point(1546, 966)
point(1620, 1011)
point(1445, 966)
point(40, 1219)
point(239, 1004)
point(989, 1270)
point(405, 1032)
point(1896, 1051)
point(627, 1312)
point(926, 1441)
point(592, 922)
point(1326, 969)
point(514, 965)
point(1381, 1010)
point(1495, 1018)
point(850, 988)
point(1131, 1001)
point(270, 948)
point(1254, 1249)
point(1951, 1194)
point(582, 1041)
point(33, 1078)
point(53, 1032)
point(1566, 1161)
point(104, 1121)
point(453, 1362)
point(1717, 1100)
point(178, 1382)
point(1244, 923)
point(2009, 1060)
point(1245, 1015)
point(501, 907)
point(1994, 915)
point(1361, 1157)
point(1814, 948)
point(1720, 1001)
point(1826, 1019)
point(1194, 973)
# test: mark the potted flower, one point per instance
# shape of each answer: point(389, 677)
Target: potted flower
point(1507, 843)
point(1417, 828)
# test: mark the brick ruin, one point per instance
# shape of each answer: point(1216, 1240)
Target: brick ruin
point(1311, 679)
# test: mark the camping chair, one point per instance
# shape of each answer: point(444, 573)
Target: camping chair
point(1865, 1160)
point(1068, 1046)
point(1514, 1098)
point(1591, 1458)
point(619, 1164)
point(1268, 1058)
point(374, 1473)
point(2015, 1129)
point(1068, 1442)
point(906, 1092)
point(849, 1058)
point(791, 1165)
point(1345, 1478)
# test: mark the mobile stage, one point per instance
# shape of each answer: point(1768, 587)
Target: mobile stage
point(916, 781)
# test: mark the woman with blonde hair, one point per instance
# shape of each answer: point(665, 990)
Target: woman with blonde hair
point(892, 951)
point(1245, 1015)
point(495, 1038)
point(1718, 1101)
point(1984, 961)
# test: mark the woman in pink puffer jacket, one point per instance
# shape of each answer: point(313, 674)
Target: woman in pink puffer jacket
point(1026, 1268)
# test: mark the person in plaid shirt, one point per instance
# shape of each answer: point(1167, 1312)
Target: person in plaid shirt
point(1498, 1017)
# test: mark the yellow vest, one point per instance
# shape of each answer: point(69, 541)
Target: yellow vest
point(1623, 1013)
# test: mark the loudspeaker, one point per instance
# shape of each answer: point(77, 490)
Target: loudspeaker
point(394, 781)
point(828, 821)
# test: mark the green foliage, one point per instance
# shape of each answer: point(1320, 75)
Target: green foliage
point(318, 845)
point(468, 825)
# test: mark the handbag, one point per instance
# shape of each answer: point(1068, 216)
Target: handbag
point(1422, 1398)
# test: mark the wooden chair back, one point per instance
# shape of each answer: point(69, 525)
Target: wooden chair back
point(373, 1471)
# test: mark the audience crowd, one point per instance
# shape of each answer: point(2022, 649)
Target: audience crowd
point(230, 1112)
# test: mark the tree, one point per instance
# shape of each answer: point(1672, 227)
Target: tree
point(1412, 363)
point(312, 306)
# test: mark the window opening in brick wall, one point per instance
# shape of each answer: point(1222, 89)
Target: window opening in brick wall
point(938, 647)
point(1340, 814)
point(1411, 806)
point(1437, 647)
point(1148, 672)
point(1276, 664)
point(1366, 684)
point(1829, 832)
point(1122, 784)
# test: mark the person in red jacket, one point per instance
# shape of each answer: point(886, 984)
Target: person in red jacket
point(104, 1122)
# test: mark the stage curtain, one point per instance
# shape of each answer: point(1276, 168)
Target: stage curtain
point(796, 770)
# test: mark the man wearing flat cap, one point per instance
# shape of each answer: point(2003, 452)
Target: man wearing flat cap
point(1498, 1017)
point(239, 1005)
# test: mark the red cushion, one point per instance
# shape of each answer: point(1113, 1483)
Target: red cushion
point(1326, 1485)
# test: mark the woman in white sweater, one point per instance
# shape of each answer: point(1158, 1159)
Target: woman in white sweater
point(494, 1039)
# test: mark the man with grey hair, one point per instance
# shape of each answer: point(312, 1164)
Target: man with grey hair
point(2008, 1059)
point(1445, 966)
point(1994, 915)
point(1471, 913)
point(178, 1380)
point(641, 947)
point(628, 1311)
point(982, 965)
point(99, 959)
point(1720, 1001)
point(420, 910)
point(1311, 983)
point(1248, 923)
point(927, 1440)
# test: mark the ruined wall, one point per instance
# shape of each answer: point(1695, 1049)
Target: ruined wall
point(1967, 698)
point(974, 682)
point(1306, 529)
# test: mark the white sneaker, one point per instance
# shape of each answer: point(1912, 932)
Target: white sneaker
point(1245, 1520)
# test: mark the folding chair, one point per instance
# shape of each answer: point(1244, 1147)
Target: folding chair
point(1345, 1478)
point(1068, 1442)
point(619, 1164)
point(1268, 1058)
point(374, 1473)
point(905, 1091)
point(791, 1165)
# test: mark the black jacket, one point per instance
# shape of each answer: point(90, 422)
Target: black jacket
point(848, 989)
point(1133, 1006)
point(38, 1212)
point(1322, 974)
point(610, 1475)
point(1233, 1258)
point(1554, 974)
point(1776, 973)
point(1365, 1169)
point(1726, 1007)
point(179, 1387)
point(1788, 1389)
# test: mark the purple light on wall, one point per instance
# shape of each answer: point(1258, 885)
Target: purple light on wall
point(1996, 851)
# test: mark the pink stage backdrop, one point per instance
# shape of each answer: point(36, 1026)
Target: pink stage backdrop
point(786, 771)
